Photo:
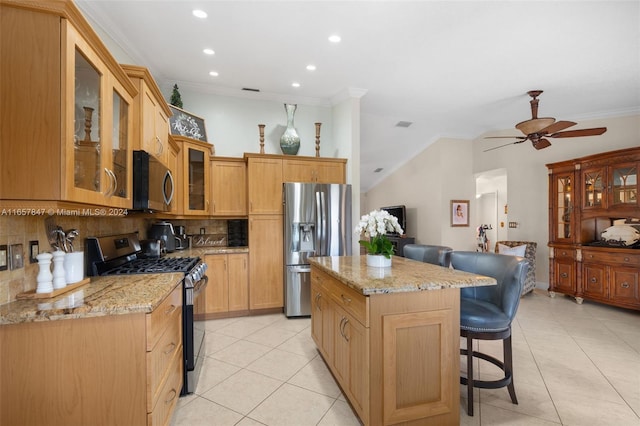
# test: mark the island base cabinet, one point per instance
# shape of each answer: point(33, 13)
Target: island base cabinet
point(402, 367)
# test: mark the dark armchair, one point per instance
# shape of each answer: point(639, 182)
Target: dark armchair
point(437, 255)
point(486, 313)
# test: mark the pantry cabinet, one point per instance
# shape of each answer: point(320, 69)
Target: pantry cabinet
point(586, 196)
point(228, 286)
point(228, 186)
point(266, 276)
point(68, 127)
point(264, 175)
point(150, 114)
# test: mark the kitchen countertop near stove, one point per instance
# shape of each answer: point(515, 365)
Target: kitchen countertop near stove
point(109, 295)
point(202, 251)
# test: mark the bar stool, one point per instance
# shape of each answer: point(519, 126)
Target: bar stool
point(486, 313)
point(437, 255)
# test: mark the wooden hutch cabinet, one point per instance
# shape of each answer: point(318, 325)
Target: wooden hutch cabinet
point(586, 196)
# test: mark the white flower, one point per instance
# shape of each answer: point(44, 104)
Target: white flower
point(378, 222)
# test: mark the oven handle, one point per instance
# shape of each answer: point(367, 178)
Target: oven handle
point(200, 285)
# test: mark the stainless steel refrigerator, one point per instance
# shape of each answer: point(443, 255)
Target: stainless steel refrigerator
point(317, 222)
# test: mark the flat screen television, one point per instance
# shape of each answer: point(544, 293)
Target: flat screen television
point(400, 212)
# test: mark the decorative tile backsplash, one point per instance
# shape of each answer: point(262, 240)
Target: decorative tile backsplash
point(23, 229)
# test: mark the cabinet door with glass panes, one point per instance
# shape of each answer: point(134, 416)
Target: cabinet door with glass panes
point(195, 167)
point(562, 205)
point(623, 185)
point(594, 187)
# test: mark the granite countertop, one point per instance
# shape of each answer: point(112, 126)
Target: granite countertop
point(404, 275)
point(110, 295)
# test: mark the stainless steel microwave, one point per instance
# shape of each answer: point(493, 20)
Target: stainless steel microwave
point(153, 184)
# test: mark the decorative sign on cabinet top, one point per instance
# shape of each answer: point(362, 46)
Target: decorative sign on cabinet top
point(183, 123)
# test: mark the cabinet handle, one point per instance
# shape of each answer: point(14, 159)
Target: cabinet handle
point(343, 324)
point(624, 285)
point(564, 275)
point(173, 396)
point(594, 280)
point(345, 299)
point(318, 296)
point(160, 147)
point(114, 180)
point(171, 309)
point(170, 347)
point(564, 253)
point(626, 259)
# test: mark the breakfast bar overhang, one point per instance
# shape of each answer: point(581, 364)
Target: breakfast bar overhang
point(390, 336)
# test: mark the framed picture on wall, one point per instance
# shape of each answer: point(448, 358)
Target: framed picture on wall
point(459, 212)
point(183, 123)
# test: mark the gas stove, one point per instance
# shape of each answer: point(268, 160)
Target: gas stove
point(150, 266)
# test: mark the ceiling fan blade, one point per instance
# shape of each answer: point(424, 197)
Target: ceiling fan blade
point(577, 133)
point(557, 126)
point(506, 137)
point(541, 143)
point(500, 146)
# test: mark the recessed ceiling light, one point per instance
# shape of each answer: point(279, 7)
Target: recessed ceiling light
point(208, 51)
point(334, 39)
point(295, 84)
point(311, 67)
point(213, 73)
point(199, 13)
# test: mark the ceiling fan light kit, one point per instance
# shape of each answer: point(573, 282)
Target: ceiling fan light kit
point(538, 129)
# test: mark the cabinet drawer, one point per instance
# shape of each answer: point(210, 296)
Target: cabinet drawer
point(160, 358)
point(163, 316)
point(631, 259)
point(564, 253)
point(350, 300)
point(169, 394)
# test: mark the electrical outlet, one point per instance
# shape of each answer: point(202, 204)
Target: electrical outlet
point(4, 259)
point(16, 256)
point(34, 250)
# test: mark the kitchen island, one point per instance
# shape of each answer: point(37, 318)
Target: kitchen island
point(391, 336)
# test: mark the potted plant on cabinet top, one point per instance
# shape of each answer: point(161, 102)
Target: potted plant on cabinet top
point(375, 226)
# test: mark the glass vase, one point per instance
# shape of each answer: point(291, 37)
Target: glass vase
point(290, 141)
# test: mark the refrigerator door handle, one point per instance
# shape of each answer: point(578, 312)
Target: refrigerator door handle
point(300, 269)
point(321, 225)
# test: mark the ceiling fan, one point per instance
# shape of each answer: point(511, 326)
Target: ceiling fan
point(537, 130)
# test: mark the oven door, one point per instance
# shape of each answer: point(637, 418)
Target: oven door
point(193, 332)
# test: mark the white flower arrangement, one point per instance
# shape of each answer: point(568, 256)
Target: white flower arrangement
point(375, 226)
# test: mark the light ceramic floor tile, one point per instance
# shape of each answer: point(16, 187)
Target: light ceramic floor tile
point(292, 324)
point(205, 413)
point(242, 328)
point(271, 336)
point(243, 391)
point(279, 364)
point(241, 353)
point(491, 415)
point(579, 411)
point(212, 373)
point(213, 325)
point(340, 414)
point(215, 342)
point(315, 376)
point(292, 406)
point(249, 422)
point(301, 344)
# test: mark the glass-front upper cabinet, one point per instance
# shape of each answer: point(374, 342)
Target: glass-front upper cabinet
point(196, 178)
point(594, 187)
point(99, 129)
point(563, 206)
point(624, 185)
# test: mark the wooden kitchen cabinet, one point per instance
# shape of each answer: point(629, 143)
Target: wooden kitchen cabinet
point(105, 370)
point(72, 120)
point(195, 188)
point(228, 186)
point(150, 114)
point(586, 196)
point(264, 174)
point(314, 170)
point(228, 286)
point(266, 270)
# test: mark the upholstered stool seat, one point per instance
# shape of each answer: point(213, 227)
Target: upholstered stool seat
point(486, 313)
point(436, 255)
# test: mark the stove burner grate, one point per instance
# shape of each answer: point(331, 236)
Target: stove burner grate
point(149, 266)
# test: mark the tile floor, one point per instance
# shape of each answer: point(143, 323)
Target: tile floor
point(574, 365)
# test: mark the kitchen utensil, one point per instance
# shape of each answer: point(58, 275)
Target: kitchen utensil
point(71, 235)
point(50, 227)
point(61, 242)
